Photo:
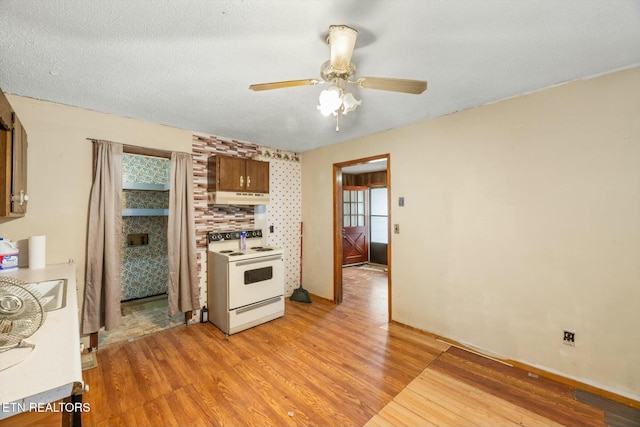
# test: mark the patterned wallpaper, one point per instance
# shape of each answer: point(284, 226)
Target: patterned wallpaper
point(151, 170)
point(283, 212)
point(137, 199)
point(145, 269)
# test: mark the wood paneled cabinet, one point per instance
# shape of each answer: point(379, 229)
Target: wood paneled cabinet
point(13, 162)
point(237, 174)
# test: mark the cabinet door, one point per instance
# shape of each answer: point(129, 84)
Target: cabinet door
point(230, 173)
point(5, 113)
point(257, 176)
point(19, 185)
point(13, 162)
point(5, 172)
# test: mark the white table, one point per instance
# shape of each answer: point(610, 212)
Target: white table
point(53, 370)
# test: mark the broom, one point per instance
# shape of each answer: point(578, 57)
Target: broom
point(300, 294)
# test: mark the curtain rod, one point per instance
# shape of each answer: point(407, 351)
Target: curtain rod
point(144, 151)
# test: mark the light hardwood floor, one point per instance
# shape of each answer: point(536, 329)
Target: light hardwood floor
point(320, 364)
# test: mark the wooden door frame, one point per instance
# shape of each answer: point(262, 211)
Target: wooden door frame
point(337, 226)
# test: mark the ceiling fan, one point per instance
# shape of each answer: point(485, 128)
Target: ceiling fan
point(340, 71)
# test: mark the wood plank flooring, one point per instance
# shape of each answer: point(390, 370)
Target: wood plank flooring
point(320, 364)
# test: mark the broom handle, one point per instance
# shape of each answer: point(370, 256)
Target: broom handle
point(301, 253)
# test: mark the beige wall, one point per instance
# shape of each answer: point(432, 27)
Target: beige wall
point(525, 221)
point(59, 172)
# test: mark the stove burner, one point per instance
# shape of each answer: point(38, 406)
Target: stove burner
point(235, 253)
point(256, 247)
point(263, 249)
point(226, 252)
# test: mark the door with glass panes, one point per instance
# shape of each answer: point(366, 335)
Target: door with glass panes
point(355, 244)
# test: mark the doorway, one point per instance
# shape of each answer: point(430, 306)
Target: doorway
point(144, 268)
point(352, 217)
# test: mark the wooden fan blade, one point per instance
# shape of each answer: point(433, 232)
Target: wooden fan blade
point(280, 85)
point(395, 85)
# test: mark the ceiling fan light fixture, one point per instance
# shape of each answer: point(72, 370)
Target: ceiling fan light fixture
point(330, 100)
point(336, 101)
point(342, 40)
point(350, 103)
point(326, 111)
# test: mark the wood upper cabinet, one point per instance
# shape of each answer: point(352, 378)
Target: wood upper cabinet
point(6, 113)
point(257, 176)
point(13, 162)
point(237, 174)
point(230, 173)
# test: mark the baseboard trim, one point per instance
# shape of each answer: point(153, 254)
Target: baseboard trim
point(475, 352)
point(578, 385)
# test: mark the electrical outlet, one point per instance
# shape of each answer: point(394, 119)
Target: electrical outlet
point(569, 338)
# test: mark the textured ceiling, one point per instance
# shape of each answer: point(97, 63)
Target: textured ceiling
point(189, 63)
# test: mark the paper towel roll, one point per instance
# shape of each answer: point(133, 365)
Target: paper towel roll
point(37, 252)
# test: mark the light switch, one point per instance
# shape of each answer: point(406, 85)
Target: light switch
point(400, 201)
point(396, 228)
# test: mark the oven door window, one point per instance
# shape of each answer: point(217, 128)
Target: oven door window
point(258, 275)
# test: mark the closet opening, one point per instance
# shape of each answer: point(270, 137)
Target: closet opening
point(145, 265)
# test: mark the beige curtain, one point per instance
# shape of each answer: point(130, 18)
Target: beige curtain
point(104, 241)
point(181, 235)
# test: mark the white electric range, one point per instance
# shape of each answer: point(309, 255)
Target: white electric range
point(245, 285)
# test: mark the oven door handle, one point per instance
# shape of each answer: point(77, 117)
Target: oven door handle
point(258, 260)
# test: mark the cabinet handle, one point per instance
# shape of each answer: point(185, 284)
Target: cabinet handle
point(241, 181)
point(22, 198)
point(248, 181)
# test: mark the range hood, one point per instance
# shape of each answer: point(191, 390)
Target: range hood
point(237, 198)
